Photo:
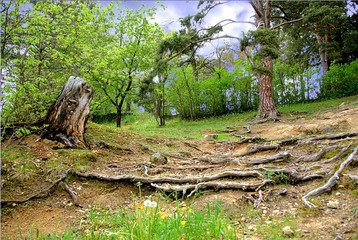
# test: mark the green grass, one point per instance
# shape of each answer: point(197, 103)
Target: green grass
point(158, 220)
point(144, 123)
point(317, 107)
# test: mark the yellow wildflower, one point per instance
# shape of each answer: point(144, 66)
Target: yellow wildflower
point(183, 223)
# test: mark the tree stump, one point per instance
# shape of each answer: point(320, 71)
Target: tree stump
point(68, 115)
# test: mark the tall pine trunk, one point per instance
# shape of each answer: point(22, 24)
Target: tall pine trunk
point(267, 106)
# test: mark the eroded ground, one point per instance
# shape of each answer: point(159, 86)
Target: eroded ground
point(32, 163)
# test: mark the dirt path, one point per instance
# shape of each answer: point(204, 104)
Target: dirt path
point(35, 163)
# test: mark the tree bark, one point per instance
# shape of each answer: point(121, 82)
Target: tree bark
point(267, 107)
point(68, 115)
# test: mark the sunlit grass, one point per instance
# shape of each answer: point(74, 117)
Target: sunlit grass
point(144, 123)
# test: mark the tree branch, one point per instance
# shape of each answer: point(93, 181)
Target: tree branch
point(292, 21)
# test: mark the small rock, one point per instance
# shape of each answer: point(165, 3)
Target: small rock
point(252, 228)
point(158, 159)
point(211, 137)
point(287, 231)
point(333, 204)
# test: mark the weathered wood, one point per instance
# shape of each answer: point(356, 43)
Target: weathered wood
point(215, 185)
point(280, 156)
point(334, 180)
point(68, 115)
point(317, 156)
point(132, 178)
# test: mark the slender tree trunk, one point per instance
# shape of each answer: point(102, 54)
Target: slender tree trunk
point(119, 116)
point(323, 54)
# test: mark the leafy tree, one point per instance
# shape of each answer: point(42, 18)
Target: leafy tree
point(121, 52)
point(38, 48)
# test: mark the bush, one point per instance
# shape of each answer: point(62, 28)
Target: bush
point(340, 81)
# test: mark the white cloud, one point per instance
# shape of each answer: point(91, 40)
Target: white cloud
point(235, 10)
point(169, 17)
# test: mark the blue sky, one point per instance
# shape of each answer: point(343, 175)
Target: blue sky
point(168, 18)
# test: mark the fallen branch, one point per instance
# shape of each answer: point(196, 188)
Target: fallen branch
point(279, 156)
point(334, 180)
point(216, 185)
point(63, 176)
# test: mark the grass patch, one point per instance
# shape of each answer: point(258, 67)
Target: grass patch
point(317, 107)
point(144, 123)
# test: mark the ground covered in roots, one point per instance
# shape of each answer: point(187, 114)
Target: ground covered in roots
point(272, 167)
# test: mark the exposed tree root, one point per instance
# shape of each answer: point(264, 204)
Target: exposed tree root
point(280, 156)
point(63, 176)
point(290, 176)
point(316, 156)
point(132, 178)
point(353, 177)
point(103, 144)
point(215, 185)
point(250, 139)
point(332, 136)
point(339, 154)
point(192, 146)
point(72, 194)
point(258, 149)
point(280, 193)
point(334, 180)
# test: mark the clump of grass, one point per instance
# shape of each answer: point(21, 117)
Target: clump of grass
point(153, 220)
point(148, 220)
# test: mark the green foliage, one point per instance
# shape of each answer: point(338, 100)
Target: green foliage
point(23, 131)
point(265, 41)
point(340, 81)
point(38, 53)
point(277, 175)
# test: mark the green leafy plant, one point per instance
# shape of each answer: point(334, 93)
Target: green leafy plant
point(23, 132)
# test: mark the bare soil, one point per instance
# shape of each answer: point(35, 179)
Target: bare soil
point(35, 163)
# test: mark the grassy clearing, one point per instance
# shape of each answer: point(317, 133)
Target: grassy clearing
point(144, 123)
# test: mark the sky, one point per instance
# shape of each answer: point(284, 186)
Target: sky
point(168, 18)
